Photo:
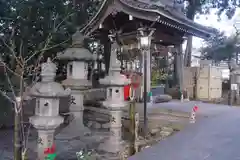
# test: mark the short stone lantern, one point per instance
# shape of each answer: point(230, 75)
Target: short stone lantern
point(78, 58)
point(46, 118)
point(114, 103)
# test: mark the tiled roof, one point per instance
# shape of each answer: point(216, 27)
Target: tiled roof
point(164, 8)
point(167, 9)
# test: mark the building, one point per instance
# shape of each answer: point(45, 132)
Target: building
point(125, 17)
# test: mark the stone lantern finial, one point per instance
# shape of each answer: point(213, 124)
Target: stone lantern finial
point(114, 62)
point(77, 39)
point(48, 70)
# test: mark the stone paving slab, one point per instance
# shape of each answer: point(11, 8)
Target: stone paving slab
point(214, 136)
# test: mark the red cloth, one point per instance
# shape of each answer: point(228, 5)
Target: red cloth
point(50, 150)
point(126, 92)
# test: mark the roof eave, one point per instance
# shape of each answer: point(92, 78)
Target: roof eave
point(205, 31)
point(100, 16)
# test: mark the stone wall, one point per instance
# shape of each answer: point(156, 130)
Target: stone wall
point(96, 118)
point(92, 97)
point(95, 94)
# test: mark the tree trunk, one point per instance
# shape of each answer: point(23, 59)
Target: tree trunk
point(188, 51)
point(179, 62)
point(132, 126)
point(17, 137)
point(18, 120)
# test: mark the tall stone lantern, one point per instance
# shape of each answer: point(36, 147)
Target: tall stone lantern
point(77, 69)
point(46, 118)
point(115, 103)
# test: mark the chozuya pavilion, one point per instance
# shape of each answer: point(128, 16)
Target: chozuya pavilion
point(130, 19)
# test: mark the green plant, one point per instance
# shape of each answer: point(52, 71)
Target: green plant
point(157, 76)
point(83, 155)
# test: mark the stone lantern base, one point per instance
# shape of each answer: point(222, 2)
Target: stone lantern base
point(76, 127)
point(46, 128)
point(114, 144)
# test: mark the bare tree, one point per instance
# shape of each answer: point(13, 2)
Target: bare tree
point(26, 73)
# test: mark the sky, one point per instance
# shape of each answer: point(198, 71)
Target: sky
point(211, 20)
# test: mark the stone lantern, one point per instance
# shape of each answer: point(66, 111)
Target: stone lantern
point(235, 82)
point(77, 70)
point(114, 103)
point(46, 118)
point(237, 75)
point(235, 72)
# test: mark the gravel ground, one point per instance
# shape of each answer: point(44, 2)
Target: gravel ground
point(66, 149)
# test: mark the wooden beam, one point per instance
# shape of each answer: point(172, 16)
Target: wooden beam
point(163, 37)
point(158, 37)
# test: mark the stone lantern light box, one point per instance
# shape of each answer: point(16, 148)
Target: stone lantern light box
point(115, 90)
point(48, 92)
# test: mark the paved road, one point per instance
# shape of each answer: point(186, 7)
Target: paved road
point(214, 136)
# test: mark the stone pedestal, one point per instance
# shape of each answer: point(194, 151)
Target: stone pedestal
point(45, 140)
point(77, 107)
point(114, 143)
point(46, 128)
point(76, 127)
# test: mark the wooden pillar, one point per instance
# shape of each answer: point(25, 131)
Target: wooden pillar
point(175, 75)
point(107, 53)
point(167, 72)
point(179, 62)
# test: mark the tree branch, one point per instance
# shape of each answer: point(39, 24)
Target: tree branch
point(64, 19)
point(49, 38)
point(10, 70)
point(56, 45)
point(41, 51)
point(5, 95)
point(11, 48)
point(10, 84)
